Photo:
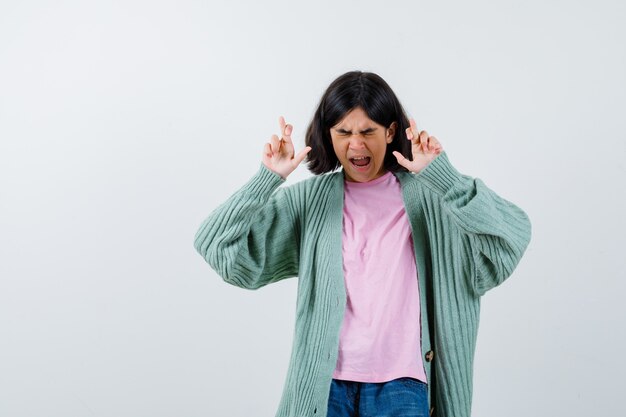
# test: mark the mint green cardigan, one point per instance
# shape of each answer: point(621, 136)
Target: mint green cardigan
point(467, 240)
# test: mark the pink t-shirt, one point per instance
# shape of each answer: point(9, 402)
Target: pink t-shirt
point(380, 334)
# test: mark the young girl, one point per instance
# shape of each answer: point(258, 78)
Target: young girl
point(392, 255)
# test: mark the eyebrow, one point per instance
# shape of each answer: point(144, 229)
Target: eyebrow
point(368, 130)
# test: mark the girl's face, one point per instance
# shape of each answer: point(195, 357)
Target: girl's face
point(360, 145)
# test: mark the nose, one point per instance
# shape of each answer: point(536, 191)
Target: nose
point(357, 141)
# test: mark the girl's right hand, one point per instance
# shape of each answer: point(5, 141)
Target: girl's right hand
point(278, 154)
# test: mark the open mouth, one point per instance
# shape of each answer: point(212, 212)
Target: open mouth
point(361, 162)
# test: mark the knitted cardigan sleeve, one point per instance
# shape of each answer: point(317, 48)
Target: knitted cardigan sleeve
point(495, 232)
point(251, 240)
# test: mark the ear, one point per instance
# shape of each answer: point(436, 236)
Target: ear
point(391, 131)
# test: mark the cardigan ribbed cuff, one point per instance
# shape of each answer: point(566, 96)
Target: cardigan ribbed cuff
point(265, 181)
point(439, 174)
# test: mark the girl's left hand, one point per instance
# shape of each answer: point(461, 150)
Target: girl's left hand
point(423, 147)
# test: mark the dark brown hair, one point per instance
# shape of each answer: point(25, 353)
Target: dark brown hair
point(350, 90)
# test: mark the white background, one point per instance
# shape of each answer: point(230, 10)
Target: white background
point(124, 123)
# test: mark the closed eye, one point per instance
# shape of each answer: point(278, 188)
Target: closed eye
point(368, 131)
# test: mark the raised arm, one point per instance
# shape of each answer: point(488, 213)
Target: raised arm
point(252, 239)
point(495, 232)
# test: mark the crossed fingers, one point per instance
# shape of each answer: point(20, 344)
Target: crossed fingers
point(421, 140)
point(277, 143)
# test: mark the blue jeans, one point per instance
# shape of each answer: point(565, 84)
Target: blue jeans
point(401, 397)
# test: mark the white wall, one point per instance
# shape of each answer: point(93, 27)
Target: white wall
point(124, 123)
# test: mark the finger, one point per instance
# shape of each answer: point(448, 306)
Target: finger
point(414, 131)
point(301, 155)
point(409, 133)
point(416, 148)
point(421, 138)
point(275, 144)
point(401, 159)
point(436, 145)
point(432, 142)
point(267, 150)
point(287, 133)
point(285, 129)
